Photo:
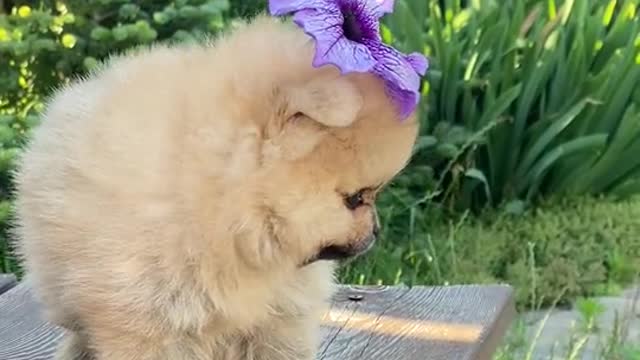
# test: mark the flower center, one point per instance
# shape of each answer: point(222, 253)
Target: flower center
point(351, 27)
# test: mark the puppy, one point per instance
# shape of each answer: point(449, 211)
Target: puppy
point(188, 202)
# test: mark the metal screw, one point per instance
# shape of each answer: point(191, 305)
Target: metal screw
point(356, 297)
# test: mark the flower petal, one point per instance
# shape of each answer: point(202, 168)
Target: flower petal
point(403, 82)
point(406, 100)
point(419, 63)
point(284, 7)
point(332, 47)
point(384, 6)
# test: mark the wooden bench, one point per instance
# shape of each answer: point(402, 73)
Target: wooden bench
point(430, 323)
point(6, 282)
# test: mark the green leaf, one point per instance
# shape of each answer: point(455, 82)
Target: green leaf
point(591, 143)
point(548, 136)
point(447, 151)
point(161, 17)
point(501, 105)
point(497, 140)
point(68, 41)
point(515, 207)
point(100, 33)
point(425, 142)
point(90, 63)
point(120, 33)
point(479, 175)
point(533, 87)
point(608, 14)
point(412, 29)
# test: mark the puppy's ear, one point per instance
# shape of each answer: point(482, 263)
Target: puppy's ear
point(333, 102)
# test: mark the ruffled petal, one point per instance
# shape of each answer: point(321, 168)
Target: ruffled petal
point(331, 45)
point(284, 7)
point(419, 62)
point(384, 6)
point(403, 82)
point(405, 100)
point(346, 34)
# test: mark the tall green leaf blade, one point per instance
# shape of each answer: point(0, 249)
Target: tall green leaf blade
point(533, 88)
point(532, 181)
point(627, 189)
point(548, 136)
point(412, 29)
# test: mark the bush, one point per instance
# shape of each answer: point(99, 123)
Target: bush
point(48, 43)
point(525, 98)
point(581, 247)
point(246, 8)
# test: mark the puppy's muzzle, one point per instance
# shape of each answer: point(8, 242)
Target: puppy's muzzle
point(351, 250)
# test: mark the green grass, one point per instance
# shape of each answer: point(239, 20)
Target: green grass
point(576, 248)
point(590, 333)
point(559, 255)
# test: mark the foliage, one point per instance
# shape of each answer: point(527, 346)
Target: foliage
point(44, 44)
point(246, 8)
point(578, 247)
point(526, 98)
point(592, 336)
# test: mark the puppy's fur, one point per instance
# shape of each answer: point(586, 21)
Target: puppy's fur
point(180, 203)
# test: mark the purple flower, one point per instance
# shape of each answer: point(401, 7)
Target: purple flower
point(347, 35)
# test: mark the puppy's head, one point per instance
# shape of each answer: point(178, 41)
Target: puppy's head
point(329, 143)
point(332, 144)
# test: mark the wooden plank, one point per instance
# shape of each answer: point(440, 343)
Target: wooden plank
point(457, 322)
point(434, 323)
point(23, 333)
point(7, 281)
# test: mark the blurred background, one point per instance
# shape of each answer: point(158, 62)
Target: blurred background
point(526, 171)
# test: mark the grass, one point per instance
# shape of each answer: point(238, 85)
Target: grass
point(558, 256)
point(569, 248)
point(603, 338)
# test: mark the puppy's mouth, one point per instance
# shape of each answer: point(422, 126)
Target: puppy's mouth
point(335, 252)
point(342, 252)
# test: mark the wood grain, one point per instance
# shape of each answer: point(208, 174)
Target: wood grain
point(430, 323)
point(23, 333)
point(437, 323)
point(7, 281)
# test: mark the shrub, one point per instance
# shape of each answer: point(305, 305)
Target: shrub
point(246, 8)
point(587, 245)
point(44, 44)
point(48, 45)
point(526, 98)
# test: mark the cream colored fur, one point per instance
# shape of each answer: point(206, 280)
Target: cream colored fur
point(168, 203)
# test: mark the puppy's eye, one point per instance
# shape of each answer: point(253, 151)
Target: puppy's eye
point(354, 201)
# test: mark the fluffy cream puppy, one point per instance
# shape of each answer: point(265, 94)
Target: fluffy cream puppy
point(187, 202)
